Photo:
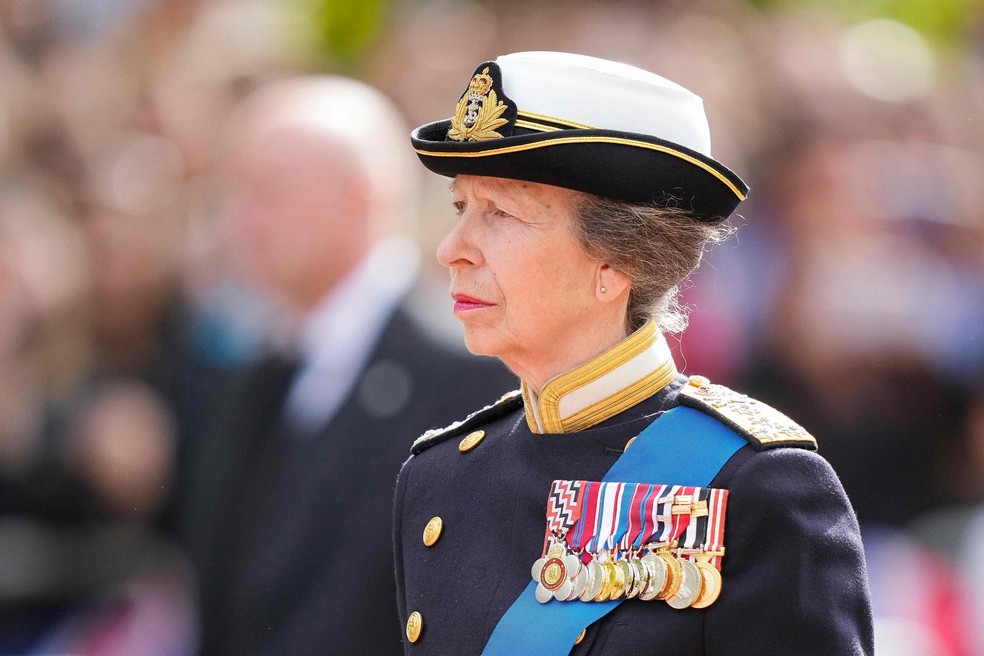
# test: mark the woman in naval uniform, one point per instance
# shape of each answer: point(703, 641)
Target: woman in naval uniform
point(585, 193)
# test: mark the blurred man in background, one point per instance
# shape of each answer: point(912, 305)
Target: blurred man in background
point(288, 508)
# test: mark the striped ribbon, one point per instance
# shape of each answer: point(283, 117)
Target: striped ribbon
point(564, 507)
point(681, 521)
point(600, 516)
point(584, 530)
point(641, 528)
point(717, 506)
point(661, 515)
point(610, 504)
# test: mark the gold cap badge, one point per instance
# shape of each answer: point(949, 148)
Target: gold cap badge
point(478, 113)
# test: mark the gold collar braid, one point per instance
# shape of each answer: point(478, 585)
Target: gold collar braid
point(631, 371)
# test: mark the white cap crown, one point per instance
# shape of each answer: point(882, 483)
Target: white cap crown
point(605, 95)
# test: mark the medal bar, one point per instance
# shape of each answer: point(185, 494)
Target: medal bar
point(614, 541)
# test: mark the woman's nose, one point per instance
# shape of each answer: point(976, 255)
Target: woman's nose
point(458, 248)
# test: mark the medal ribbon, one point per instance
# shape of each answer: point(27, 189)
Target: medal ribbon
point(680, 522)
point(641, 495)
point(648, 523)
point(628, 494)
point(563, 509)
point(590, 511)
point(717, 505)
point(610, 505)
point(692, 537)
point(564, 506)
point(660, 515)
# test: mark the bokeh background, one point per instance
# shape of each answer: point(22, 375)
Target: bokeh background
point(852, 296)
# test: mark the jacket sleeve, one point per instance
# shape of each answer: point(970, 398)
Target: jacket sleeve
point(794, 574)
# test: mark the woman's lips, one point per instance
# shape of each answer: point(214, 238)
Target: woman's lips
point(463, 303)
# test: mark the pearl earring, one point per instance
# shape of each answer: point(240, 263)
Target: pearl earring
point(604, 289)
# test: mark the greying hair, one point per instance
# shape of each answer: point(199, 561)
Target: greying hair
point(655, 245)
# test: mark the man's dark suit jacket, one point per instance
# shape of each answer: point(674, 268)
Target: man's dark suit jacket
point(291, 535)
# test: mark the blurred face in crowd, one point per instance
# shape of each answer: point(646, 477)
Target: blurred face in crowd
point(298, 207)
point(523, 286)
point(124, 445)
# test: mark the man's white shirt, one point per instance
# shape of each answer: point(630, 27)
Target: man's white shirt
point(338, 336)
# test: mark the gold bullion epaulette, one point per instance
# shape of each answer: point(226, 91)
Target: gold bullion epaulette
point(762, 425)
point(506, 403)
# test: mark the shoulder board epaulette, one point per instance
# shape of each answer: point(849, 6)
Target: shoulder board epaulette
point(762, 425)
point(506, 403)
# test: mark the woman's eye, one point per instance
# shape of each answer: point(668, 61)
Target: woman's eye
point(459, 207)
point(502, 213)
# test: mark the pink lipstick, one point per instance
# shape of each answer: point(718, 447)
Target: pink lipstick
point(463, 303)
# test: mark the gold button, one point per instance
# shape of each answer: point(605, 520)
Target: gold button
point(629, 443)
point(699, 381)
point(580, 638)
point(432, 532)
point(415, 624)
point(471, 441)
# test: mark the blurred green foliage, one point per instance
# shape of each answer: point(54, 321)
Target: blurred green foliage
point(342, 30)
point(944, 21)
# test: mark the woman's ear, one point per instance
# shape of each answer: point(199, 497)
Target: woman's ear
point(610, 284)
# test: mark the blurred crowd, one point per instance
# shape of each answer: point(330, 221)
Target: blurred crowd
point(852, 297)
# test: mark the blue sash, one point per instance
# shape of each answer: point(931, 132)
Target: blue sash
point(683, 447)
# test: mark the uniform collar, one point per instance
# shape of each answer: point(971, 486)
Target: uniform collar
point(631, 371)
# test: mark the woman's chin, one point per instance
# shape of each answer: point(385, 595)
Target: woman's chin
point(479, 343)
point(476, 347)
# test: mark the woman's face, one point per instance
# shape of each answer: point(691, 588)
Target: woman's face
point(523, 286)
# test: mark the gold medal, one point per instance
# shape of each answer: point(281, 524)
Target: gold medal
point(553, 574)
point(690, 586)
point(622, 579)
point(608, 578)
point(712, 585)
point(673, 575)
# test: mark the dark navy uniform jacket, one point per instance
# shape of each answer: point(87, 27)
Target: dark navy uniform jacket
point(794, 578)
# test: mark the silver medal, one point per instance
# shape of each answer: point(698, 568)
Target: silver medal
point(690, 586)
